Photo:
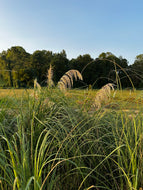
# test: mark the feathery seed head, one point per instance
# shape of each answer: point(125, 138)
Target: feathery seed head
point(66, 80)
point(103, 95)
point(50, 82)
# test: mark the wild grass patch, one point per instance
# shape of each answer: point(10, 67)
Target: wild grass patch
point(53, 141)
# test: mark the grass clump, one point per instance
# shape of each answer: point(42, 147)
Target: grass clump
point(51, 142)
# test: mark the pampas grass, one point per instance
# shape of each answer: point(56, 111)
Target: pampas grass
point(66, 80)
point(103, 95)
point(50, 82)
point(37, 89)
point(58, 146)
point(37, 85)
point(55, 144)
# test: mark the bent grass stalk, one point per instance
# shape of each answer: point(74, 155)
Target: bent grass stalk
point(98, 166)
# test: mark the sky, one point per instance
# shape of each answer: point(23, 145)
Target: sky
point(77, 26)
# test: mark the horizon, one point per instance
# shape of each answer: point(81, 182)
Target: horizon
point(69, 58)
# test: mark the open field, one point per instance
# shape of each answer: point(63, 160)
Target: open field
point(123, 98)
point(14, 92)
point(54, 140)
point(130, 99)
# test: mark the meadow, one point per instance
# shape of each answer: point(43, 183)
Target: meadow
point(60, 141)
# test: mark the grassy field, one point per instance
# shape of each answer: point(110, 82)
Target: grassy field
point(54, 140)
point(14, 92)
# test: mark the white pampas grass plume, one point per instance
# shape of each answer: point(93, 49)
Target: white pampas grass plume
point(66, 80)
point(103, 95)
point(50, 82)
point(37, 85)
point(37, 88)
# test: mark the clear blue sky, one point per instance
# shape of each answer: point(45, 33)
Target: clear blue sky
point(78, 26)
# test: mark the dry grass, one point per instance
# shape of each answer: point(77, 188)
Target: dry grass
point(14, 92)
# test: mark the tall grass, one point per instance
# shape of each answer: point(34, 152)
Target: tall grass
point(51, 142)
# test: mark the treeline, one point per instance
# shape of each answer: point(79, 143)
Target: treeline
point(19, 68)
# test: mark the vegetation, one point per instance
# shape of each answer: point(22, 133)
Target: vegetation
point(19, 68)
point(55, 138)
point(60, 141)
point(66, 80)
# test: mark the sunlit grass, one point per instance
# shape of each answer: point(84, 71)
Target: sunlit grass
point(55, 141)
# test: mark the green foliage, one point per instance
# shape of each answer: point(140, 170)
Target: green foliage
point(136, 71)
point(51, 142)
point(19, 68)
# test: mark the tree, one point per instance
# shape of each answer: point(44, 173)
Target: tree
point(15, 63)
point(82, 64)
point(6, 68)
point(59, 64)
point(114, 68)
point(136, 71)
point(40, 62)
point(19, 68)
point(20, 61)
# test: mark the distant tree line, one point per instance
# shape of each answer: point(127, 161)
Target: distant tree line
point(19, 68)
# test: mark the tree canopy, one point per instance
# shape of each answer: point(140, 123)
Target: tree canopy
point(19, 68)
